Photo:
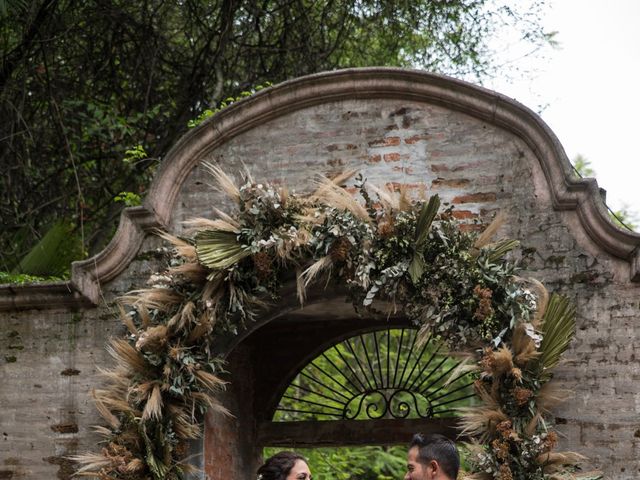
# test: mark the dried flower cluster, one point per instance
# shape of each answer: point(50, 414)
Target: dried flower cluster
point(392, 253)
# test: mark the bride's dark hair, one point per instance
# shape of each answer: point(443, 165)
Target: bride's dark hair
point(279, 466)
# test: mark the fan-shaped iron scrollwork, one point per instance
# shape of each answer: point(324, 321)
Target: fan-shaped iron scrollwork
point(381, 374)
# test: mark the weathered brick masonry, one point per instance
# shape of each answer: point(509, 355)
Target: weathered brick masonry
point(479, 151)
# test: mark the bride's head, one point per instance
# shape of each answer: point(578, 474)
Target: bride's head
point(285, 466)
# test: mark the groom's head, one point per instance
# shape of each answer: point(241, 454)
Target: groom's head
point(432, 457)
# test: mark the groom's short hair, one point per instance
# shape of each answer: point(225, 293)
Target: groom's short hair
point(437, 447)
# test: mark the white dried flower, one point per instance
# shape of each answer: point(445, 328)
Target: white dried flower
point(531, 333)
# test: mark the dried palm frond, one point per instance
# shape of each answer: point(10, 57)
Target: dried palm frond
point(485, 237)
point(217, 249)
point(153, 407)
point(423, 225)
point(480, 421)
point(224, 182)
point(552, 394)
point(314, 270)
point(558, 328)
point(182, 247)
point(474, 448)
point(127, 356)
point(499, 249)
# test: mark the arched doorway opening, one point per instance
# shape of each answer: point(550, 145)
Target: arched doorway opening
point(323, 376)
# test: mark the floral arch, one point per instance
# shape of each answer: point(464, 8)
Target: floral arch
point(392, 253)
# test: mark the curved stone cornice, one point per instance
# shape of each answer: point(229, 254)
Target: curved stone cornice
point(88, 275)
point(567, 192)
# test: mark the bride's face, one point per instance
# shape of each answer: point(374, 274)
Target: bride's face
point(300, 471)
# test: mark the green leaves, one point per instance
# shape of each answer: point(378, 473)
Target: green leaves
point(425, 219)
point(53, 254)
point(130, 199)
point(135, 154)
point(217, 249)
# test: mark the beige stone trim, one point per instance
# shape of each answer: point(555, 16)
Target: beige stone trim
point(567, 192)
point(44, 296)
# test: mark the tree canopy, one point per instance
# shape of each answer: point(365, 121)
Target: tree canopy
point(94, 93)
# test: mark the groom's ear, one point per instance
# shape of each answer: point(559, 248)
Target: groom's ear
point(433, 468)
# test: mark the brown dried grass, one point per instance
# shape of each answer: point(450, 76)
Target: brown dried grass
point(524, 347)
point(183, 248)
point(314, 270)
point(127, 357)
point(159, 298)
point(481, 421)
point(198, 223)
point(224, 182)
point(485, 237)
point(551, 395)
point(153, 407)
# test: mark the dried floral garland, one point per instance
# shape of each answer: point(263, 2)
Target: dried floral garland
point(407, 254)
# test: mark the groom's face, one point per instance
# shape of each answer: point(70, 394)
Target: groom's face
point(415, 469)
